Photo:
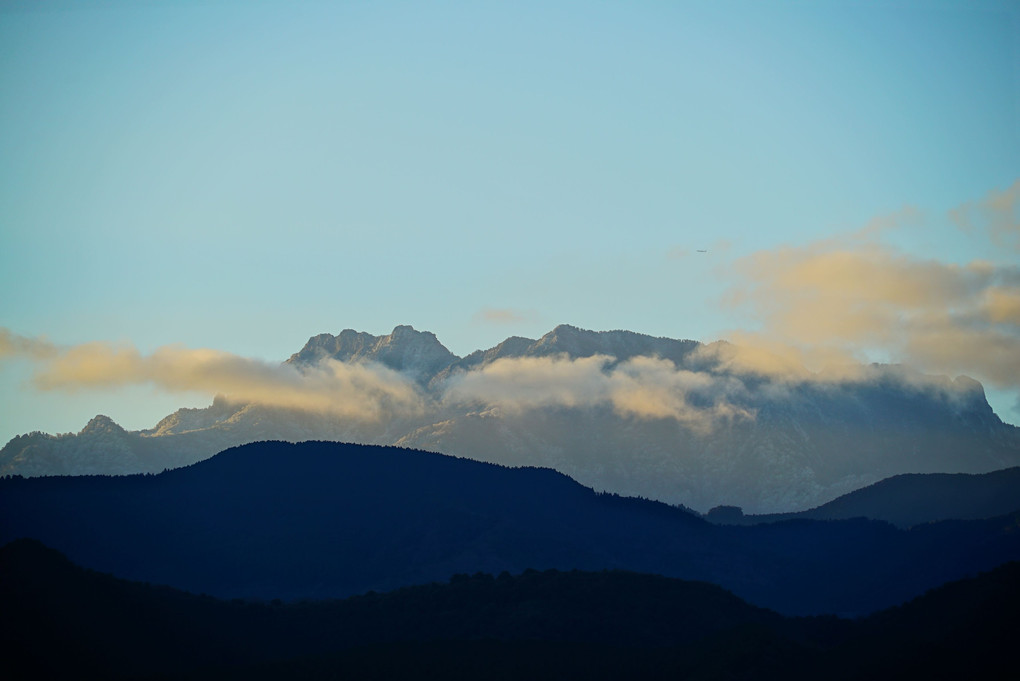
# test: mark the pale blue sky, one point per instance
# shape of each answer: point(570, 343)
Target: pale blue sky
point(243, 175)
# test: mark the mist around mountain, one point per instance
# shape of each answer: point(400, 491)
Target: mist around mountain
point(672, 420)
point(58, 620)
point(906, 500)
point(325, 520)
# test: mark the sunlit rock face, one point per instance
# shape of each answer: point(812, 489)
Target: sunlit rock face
point(616, 410)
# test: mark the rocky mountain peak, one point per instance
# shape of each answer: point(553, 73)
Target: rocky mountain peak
point(416, 352)
point(568, 339)
point(405, 349)
point(622, 345)
point(101, 424)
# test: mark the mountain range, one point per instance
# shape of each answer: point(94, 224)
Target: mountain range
point(325, 520)
point(665, 419)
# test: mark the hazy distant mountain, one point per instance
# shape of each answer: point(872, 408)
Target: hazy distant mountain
point(908, 500)
point(58, 620)
point(737, 438)
point(319, 520)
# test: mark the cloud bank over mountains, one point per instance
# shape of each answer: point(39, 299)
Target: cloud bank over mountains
point(645, 387)
point(942, 317)
point(366, 391)
point(711, 385)
point(826, 305)
point(642, 387)
point(995, 214)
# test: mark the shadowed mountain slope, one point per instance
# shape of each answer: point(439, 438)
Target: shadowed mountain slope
point(275, 520)
point(907, 500)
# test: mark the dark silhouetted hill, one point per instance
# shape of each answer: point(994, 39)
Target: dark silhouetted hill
point(322, 520)
point(908, 500)
point(58, 620)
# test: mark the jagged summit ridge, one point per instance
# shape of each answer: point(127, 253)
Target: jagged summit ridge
point(622, 345)
point(575, 343)
point(417, 353)
point(422, 356)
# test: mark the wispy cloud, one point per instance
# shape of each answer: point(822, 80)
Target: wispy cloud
point(504, 315)
point(826, 304)
point(642, 387)
point(13, 345)
point(364, 391)
point(997, 214)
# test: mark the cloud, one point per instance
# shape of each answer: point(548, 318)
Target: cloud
point(720, 246)
point(650, 387)
point(504, 315)
point(529, 382)
point(1002, 305)
point(13, 345)
point(362, 391)
point(827, 304)
point(757, 354)
point(997, 214)
point(642, 387)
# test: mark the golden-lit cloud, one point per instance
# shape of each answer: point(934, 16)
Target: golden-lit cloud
point(997, 214)
point(783, 361)
point(1002, 305)
point(13, 345)
point(365, 391)
point(527, 382)
point(642, 387)
point(650, 387)
point(828, 304)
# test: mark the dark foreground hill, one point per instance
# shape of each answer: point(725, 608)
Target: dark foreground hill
point(324, 520)
point(907, 500)
point(58, 621)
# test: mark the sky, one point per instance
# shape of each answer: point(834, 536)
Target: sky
point(234, 177)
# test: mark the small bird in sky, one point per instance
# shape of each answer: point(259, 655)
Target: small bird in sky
point(702, 251)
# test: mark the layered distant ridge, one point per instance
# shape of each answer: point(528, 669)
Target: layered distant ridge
point(620, 411)
point(321, 520)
